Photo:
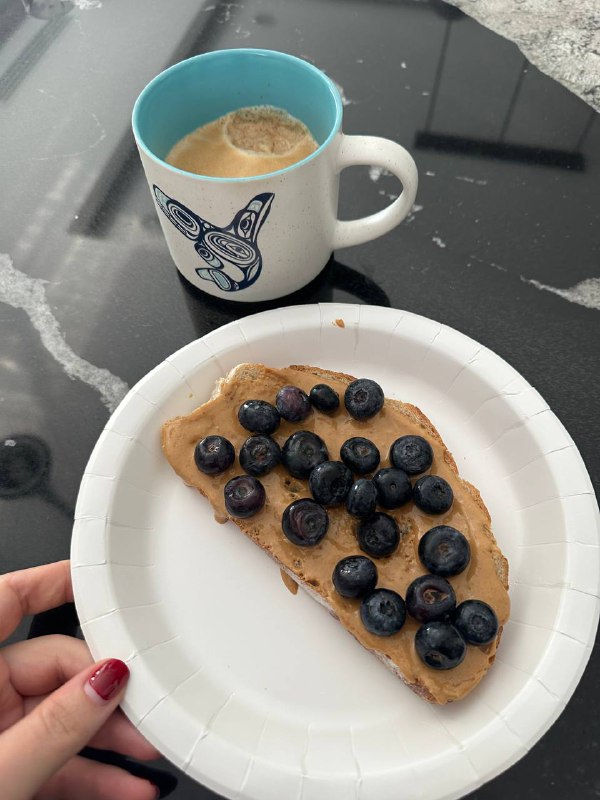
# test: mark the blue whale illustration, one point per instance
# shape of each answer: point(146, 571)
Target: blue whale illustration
point(230, 256)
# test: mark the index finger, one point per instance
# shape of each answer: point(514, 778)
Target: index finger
point(30, 591)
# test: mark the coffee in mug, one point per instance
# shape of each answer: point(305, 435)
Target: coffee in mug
point(246, 142)
point(252, 237)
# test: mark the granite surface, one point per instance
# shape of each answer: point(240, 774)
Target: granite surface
point(561, 37)
point(503, 242)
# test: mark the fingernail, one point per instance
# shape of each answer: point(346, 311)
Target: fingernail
point(106, 681)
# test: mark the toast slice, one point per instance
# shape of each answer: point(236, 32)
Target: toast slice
point(485, 578)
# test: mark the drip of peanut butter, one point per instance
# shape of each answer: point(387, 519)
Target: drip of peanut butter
point(289, 583)
point(480, 580)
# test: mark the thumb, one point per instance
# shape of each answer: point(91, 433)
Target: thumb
point(59, 727)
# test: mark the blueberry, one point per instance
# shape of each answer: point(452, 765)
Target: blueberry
point(444, 551)
point(324, 398)
point(214, 454)
point(429, 598)
point(354, 576)
point(439, 645)
point(383, 612)
point(476, 622)
point(378, 535)
point(393, 487)
point(330, 483)
point(413, 454)
point(259, 455)
point(363, 398)
point(244, 496)
point(293, 404)
point(305, 522)
point(360, 455)
point(433, 494)
point(258, 416)
point(362, 498)
point(302, 452)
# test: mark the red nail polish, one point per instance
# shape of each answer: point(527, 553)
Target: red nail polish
point(107, 680)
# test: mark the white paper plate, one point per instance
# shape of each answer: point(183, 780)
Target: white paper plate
point(260, 694)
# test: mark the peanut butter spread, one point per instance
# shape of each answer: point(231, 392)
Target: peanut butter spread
point(485, 578)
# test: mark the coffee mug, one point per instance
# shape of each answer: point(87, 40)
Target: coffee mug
point(259, 238)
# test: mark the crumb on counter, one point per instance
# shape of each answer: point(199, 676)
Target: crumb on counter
point(340, 323)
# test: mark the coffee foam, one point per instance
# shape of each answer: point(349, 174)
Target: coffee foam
point(250, 141)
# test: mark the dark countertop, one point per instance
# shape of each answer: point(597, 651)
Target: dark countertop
point(503, 245)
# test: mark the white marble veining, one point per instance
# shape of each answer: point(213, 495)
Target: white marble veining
point(346, 101)
point(414, 210)
point(376, 172)
point(466, 179)
point(560, 37)
point(585, 293)
point(22, 291)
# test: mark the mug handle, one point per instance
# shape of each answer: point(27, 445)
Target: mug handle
point(378, 152)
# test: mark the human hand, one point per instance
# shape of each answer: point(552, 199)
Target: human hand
point(53, 702)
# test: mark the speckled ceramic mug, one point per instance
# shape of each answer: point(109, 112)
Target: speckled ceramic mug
point(258, 238)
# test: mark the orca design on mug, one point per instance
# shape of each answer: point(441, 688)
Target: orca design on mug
point(230, 256)
point(259, 237)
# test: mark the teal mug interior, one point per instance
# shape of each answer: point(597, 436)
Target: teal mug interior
point(205, 87)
